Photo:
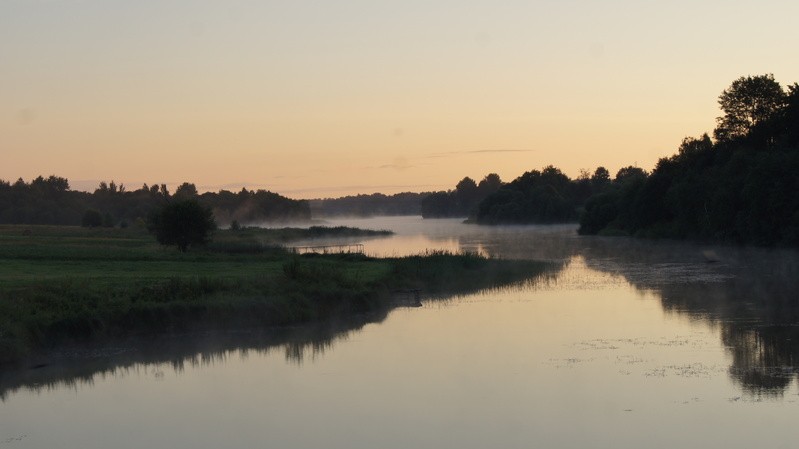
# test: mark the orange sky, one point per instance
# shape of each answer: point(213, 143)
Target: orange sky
point(326, 99)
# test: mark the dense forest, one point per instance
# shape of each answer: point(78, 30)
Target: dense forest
point(739, 187)
point(50, 201)
point(546, 196)
point(461, 202)
point(376, 204)
point(537, 196)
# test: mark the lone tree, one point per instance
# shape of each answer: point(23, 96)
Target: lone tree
point(750, 100)
point(183, 223)
point(92, 219)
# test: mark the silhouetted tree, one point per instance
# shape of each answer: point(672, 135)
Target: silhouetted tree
point(49, 201)
point(463, 200)
point(186, 191)
point(108, 220)
point(546, 196)
point(690, 146)
point(749, 101)
point(490, 184)
point(789, 119)
point(438, 205)
point(92, 219)
point(600, 179)
point(182, 223)
point(629, 173)
point(465, 195)
point(731, 190)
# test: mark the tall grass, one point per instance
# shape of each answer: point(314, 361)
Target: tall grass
point(447, 272)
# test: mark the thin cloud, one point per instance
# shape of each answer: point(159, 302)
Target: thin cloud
point(400, 163)
point(396, 166)
point(455, 153)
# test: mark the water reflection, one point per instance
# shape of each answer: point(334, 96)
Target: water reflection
point(749, 295)
point(758, 314)
point(81, 366)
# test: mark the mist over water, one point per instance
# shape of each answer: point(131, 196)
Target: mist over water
point(628, 343)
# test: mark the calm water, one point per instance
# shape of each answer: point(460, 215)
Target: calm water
point(625, 344)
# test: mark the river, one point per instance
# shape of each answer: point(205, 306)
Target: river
point(625, 344)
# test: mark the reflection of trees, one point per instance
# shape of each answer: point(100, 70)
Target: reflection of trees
point(750, 293)
point(762, 359)
point(81, 366)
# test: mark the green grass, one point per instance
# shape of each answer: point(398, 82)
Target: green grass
point(64, 284)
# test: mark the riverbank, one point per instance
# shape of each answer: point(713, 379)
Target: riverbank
point(62, 285)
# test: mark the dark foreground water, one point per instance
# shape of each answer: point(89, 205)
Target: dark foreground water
point(625, 344)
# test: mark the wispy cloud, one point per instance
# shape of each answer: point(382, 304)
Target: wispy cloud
point(400, 163)
point(466, 152)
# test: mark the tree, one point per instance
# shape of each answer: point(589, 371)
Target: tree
point(183, 223)
point(546, 196)
point(691, 146)
point(490, 184)
point(108, 220)
point(626, 174)
point(92, 219)
point(790, 117)
point(600, 179)
point(466, 195)
point(748, 102)
point(437, 205)
point(186, 190)
point(466, 188)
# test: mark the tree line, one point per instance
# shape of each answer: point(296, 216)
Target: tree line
point(376, 204)
point(463, 200)
point(739, 187)
point(537, 196)
point(51, 201)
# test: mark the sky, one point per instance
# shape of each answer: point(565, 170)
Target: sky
point(329, 98)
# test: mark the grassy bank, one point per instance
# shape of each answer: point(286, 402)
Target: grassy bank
point(66, 284)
